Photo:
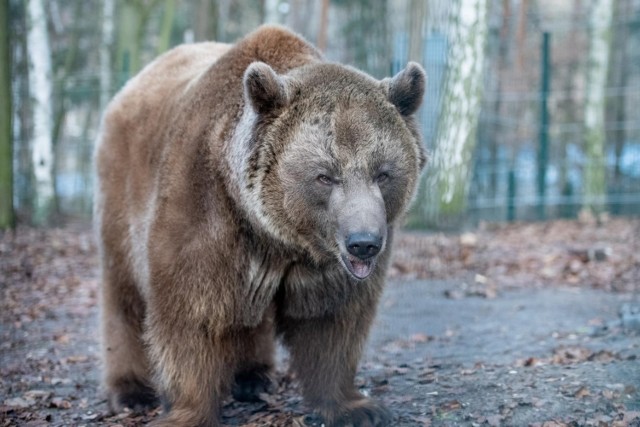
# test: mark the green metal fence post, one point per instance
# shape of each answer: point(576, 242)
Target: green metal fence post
point(511, 195)
point(543, 149)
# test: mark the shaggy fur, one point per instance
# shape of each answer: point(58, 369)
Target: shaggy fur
point(229, 180)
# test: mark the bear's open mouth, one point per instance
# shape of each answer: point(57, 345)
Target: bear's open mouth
point(360, 269)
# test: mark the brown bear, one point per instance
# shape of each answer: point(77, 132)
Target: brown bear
point(245, 193)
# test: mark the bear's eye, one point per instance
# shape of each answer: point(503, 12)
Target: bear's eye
point(382, 177)
point(325, 180)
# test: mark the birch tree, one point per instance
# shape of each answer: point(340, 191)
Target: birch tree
point(6, 140)
point(451, 163)
point(271, 13)
point(39, 54)
point(594, 114)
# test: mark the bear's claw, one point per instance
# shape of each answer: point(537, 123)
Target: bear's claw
point(249, 386)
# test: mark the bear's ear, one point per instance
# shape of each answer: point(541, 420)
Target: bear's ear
point(263, 88)
point(406, 88)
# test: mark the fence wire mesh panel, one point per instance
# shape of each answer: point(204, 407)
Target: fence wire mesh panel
point(531, 107)
point(533, 153)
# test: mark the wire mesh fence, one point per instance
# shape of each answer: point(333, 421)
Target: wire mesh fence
point(529, 159)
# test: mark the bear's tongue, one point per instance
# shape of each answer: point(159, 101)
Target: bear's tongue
point(360, 268)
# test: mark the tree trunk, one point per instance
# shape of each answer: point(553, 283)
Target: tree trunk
point(167, 25)
point(39, 54)
point(271, 13)
point(324, 26)
point(618, 78)
point(494, 133)
point(62, 75)
point(298, 15)
point(105, 52)
point(6, 135)
point(571, 109)
point(206, 20)
point(224, 7)
point(594, 115)
point(450, 168)
point(60, 101)
point(416, 17)
point(133, 23)
point(371, 52)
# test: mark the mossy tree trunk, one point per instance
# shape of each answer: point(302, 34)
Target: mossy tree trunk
point(134, 17)
point(6, 135)
point(449, 170)
point(619, 74)
point(595, 103)
point(108, 7)
point(164, 43)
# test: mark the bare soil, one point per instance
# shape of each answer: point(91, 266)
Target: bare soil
point(523, 325)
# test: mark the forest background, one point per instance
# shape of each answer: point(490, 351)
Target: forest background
point(530, 112)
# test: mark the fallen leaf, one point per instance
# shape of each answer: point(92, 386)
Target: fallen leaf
point(468, 239)
point(60, 403)
point(420, 338)
point(581, 393)
point(532, 361)
point(76, 359)
point(449, 406)
point(62, 339)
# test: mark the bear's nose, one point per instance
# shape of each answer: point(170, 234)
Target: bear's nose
point(363, 245)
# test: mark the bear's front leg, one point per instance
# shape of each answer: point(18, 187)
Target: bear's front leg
point(325, 352)
point(194, 370)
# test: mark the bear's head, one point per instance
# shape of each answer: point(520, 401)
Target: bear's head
point(329, 158)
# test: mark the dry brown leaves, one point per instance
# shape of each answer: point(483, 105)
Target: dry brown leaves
point(48, 287)
point(563, 252)
point(41, 269)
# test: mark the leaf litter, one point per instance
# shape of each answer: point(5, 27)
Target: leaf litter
point(50, 366)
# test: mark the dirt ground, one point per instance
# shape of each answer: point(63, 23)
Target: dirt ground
point(516, 325)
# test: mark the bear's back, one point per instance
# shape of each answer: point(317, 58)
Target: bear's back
point(178, 98)
point(134, 124)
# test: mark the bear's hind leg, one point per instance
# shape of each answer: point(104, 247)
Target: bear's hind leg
point(127, 374)
point(254, 375)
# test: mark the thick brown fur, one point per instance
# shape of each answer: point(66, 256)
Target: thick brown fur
point(229, 178)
